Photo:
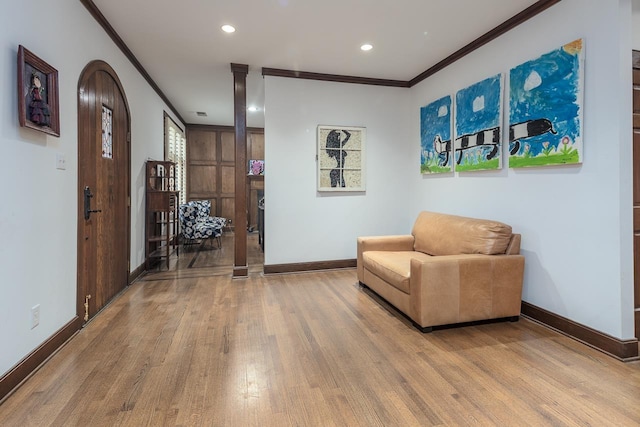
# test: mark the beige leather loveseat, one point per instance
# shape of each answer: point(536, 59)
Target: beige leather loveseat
point(451, 269)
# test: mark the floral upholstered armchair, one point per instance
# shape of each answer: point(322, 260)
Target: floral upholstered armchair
point(196, 222)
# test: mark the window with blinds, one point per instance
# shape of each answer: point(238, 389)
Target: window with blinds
point(176, 151)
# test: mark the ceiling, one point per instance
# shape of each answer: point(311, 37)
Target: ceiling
point(182, 48)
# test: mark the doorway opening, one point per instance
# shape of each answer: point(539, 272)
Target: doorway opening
point(211, 169)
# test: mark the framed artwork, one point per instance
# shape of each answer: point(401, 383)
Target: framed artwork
point(37, 93)
point(546, 97)
point(435, 137)
point(256, 167)
point(341, 158)
point(478, 126)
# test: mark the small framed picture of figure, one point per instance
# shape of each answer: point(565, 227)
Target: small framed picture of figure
point(37, 93)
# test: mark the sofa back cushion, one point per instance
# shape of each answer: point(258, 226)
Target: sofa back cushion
point(442, 234)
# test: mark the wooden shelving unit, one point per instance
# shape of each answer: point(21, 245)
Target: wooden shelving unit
point(162, 225)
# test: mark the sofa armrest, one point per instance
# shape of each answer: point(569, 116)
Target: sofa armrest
point(382, 243)
point(463, 288)
point(514, 245)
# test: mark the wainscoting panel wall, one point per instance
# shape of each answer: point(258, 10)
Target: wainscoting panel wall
point(202, 166)
point(255, 151)
point(211, 168)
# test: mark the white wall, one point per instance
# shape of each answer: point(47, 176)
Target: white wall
point(303, 225)
point(576, 222)
point(635, 6)
point(38, 218)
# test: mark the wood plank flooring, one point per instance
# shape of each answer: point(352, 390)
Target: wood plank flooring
point(213, 257)
point(192, 347)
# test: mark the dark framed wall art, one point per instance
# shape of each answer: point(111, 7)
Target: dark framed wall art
point(38, 106)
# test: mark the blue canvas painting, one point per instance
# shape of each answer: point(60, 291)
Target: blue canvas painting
point(477, 145)
point(545, 109)
point(435, 137)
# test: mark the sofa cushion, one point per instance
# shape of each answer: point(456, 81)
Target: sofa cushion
point(442, 234)
point(392, 267)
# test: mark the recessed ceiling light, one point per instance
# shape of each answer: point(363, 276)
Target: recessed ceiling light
point(366, 47)
point(228, 28)
point(253, 108)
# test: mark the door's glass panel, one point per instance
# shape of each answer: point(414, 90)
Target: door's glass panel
point(107, 133)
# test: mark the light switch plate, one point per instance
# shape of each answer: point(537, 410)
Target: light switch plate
point(61, 163)
point(35, 316)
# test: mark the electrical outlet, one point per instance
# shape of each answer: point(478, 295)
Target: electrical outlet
point(35, 316)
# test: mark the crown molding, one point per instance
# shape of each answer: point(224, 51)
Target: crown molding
point(496, 32)
point(277, 72)
point(98, 16)
point(493, 34)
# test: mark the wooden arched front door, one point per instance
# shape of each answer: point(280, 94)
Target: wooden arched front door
point(103, 188)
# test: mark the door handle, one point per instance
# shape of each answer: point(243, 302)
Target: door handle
point(87, 203)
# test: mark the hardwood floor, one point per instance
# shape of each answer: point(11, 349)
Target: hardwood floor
point(213, 257)
point(195, 347)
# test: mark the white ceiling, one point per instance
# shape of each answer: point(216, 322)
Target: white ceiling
point(181, 46)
